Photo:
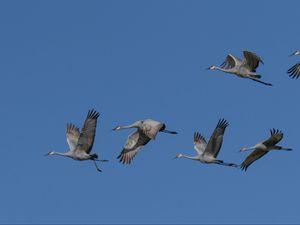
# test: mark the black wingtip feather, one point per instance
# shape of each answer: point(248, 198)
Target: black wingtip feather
point(93, 114)
point(222, 123)
point(274, 131)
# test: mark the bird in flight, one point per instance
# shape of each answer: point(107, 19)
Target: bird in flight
point(146, 130)
point(262, 148)
point(81, 143)
point(208, 152)
point(242, 68)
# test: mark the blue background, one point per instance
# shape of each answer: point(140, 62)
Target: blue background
point(133, 60)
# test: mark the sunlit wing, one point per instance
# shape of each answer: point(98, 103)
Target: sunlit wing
point(73, 134)
point(215, 142)
point(134, 143)
point(87, 135)
point(199, 143)
point(230, 62)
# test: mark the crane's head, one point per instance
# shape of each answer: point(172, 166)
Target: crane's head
point(295, 53)
point(212, 68)
point(117, 127)
point(50, 153)
point(178, 156)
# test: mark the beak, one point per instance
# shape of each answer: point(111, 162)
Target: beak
point(46, 154)
point(208, 68)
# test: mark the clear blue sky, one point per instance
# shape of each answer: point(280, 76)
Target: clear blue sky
point(132, 60)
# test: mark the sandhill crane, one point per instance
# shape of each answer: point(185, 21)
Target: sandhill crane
point(244, 69)
point(146, 130)
point(263, 148)
point(81, 143)
point(207, 153)
point(294, 71)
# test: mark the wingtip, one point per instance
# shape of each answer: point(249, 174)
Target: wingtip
point(93, 114)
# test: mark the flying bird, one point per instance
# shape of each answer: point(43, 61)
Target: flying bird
point(208, 152)
point(262, 148)
point(294, 71)
point(81, 143)
point(244, 69)
point(146, 130)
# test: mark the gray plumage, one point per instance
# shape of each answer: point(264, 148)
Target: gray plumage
point(208, 152)
point(245, 69)
point(146, 131)
point(81, 143)
point(262, 148)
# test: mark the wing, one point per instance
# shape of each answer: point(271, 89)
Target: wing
point(151, 127)
point(134, 143)
point(230, 62)
point(276, 136)
point(215, 142)
point(87, 135)
point(251, 60)
point(294, 71)
point(199, 143)
point(255, 155)
point(72, 136)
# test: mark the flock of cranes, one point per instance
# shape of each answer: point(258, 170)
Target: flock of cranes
point(81, 141)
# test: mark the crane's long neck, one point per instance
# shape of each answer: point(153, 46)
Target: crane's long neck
point(221, 69)
point(248, 148)
point(189, 157)
point(134, 125)
point(66, 154)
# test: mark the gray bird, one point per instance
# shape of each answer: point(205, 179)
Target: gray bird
point(208, 152)
point(262, 148)
point(81, 143)
point(146, 130)
point(244, 69)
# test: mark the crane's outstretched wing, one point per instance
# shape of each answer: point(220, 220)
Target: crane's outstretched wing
point(294, 71)
point(199, 143)
point(73, 134)
point(134, 143)
point(215, 142)
point(252, 60)
point(230, 62)
point(276, 136)
point(255, 155)
point(87, 135)
point(151, 127)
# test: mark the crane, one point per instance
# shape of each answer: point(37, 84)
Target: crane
point(208, 152)
point(262, 148)
point(81, 143)
point(244, 69)
point(146, 130)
